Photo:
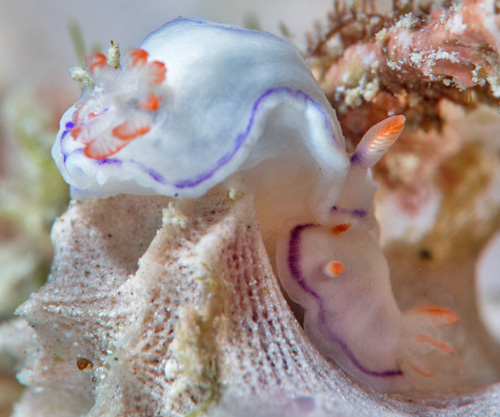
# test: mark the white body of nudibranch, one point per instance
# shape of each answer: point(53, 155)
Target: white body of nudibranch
point(200, 104)
point(228, 99)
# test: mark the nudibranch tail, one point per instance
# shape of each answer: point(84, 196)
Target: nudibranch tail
point(377, 140)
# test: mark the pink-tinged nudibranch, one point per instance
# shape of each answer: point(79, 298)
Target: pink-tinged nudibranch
point(200, 104)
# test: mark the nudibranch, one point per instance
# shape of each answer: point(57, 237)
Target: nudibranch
point(202, 104)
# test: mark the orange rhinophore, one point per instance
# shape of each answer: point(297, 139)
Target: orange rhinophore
point(390, 129)
point(377, 140)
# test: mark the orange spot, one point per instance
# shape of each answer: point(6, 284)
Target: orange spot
point(138, 56)
point(440, 316)
point(340, 228)
point(150, 103)
point(334, 268)
point(92, 115)
point(97, 60)
point(442, 346)
point(157, 72)
point(125, 131)
point(83, 363)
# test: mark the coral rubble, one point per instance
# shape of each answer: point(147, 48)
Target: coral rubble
point(372, 64)
point(200, 327)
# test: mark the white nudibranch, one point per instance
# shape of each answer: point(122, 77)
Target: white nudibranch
point(195, 103)
point(200, 104)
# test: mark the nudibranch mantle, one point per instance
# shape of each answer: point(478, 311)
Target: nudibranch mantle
point(199, 104)
point(231, 98)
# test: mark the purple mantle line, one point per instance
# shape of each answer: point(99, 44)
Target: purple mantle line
point(352, 212)
point(293, 265)
point(240, 139)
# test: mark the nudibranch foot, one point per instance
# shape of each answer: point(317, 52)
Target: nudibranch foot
point(340, 276)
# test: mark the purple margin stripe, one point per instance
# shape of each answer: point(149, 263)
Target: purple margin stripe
point(239, 141)
point(293, 265)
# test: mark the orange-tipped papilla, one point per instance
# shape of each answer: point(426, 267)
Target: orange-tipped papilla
point(377, 140)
